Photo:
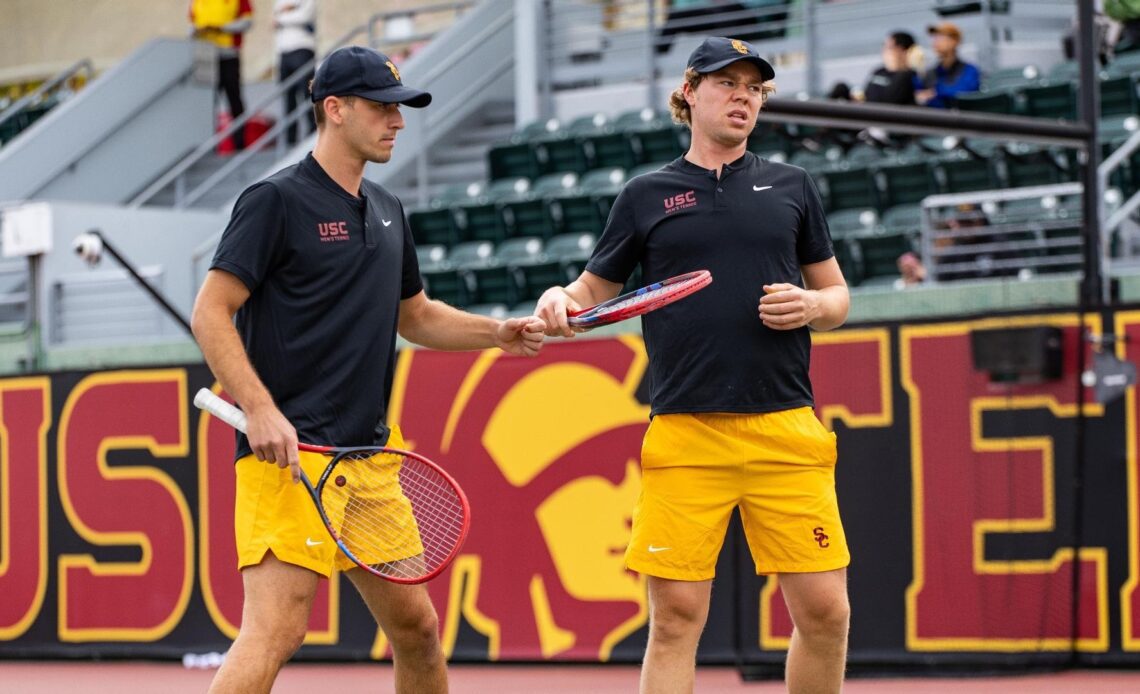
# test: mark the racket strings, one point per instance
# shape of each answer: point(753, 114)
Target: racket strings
point(652, 295)
point(399, 516)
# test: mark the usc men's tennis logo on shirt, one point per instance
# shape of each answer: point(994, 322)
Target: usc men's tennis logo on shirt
point(680, 201)
point(333, 231)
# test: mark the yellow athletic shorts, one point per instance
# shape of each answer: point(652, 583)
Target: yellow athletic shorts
point(273, 513)
point(777, 467)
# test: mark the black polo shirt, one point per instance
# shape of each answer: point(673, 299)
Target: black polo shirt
point(756, 225)
point(326, 272)
point(887, 87)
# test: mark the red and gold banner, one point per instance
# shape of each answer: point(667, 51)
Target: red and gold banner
point(969, 533)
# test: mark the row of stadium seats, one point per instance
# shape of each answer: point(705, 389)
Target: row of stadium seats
point(1025, 91)
point(512, 273)
point(588, 142)
point(514, 207)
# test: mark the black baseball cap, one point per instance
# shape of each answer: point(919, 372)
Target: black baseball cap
point(363, 72)
point(717, 52)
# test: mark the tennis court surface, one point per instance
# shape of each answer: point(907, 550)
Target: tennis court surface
point(47, 677)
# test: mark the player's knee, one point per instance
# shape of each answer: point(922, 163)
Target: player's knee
point(417, 630)
point(677, 620)
point(827, 617)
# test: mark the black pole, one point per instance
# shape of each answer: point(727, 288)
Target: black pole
point(114, 253)
point(1088, 113)
point(1091, 285)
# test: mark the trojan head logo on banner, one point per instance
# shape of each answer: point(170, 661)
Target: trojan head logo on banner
point(547, 451)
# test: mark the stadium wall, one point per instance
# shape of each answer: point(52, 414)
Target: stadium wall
point(972, 508)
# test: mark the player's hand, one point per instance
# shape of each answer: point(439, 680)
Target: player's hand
point(273, 439)
point(522, 336)
point(787, 307)
point(552, 308)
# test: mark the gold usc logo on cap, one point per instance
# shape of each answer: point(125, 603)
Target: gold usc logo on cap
point(740, 46)
point(392, 67)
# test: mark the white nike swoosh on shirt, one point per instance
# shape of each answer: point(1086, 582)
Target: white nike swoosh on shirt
point(759, 188)
point(658, 549)
point(309, 542)
point(387, 222)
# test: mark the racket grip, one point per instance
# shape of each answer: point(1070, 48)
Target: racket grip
point(206, 400)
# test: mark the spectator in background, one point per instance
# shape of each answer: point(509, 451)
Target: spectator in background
point(942, 84)
point(1127, 12)
point(294, 22)
point(893, 83)
point(222, 23)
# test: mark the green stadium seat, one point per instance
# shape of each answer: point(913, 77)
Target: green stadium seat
point(648, 168)
point(816, 161)
point(843, 187)
point(435, 224)
point(1056, 101)
point(480, 219)
point(1067, 71)
point(997, 101)
point(901, 181)
point(864, 153)
point(446, 284)
point(621, 145)
point(431, 256)
point(769, 137)
point(571, 251)
point(533, 270)
point(587, 208)
point(852, 221)
point(529, 215)
point(518, 156)
point(959, 171)
point(1127, 63)
point(1020, 164)
point(487, 281)
point(1118, 96)
point(569, 148)
point(880, 249)
point(903, 219)
point(1009, 78)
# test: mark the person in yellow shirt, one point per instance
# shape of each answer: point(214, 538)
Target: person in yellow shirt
point(222, 23)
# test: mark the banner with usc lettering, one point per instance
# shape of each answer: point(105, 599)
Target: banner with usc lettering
point(979, 532)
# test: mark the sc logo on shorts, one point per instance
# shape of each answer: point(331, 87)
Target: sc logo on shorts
point(821, 538)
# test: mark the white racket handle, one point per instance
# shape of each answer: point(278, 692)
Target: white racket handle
point(206, 400)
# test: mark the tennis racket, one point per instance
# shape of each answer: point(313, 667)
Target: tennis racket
point(394, 513)
point(648, 298)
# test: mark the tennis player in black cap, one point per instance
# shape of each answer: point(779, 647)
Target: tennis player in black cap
point(318, 267)
point(733, 425)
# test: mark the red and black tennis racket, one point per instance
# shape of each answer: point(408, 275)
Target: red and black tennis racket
point(394, 513)
point(649, 298)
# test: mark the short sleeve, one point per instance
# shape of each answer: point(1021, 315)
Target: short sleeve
point(254, 237)
point(813, 239)
point(619, 249)
point(411, 283)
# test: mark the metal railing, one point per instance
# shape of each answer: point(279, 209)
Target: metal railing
point(36, 95)
point(176, 175)
point(633, 39)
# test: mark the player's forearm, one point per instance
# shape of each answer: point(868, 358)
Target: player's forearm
point(225, 355)
point(584, 294)
point(438, 326)
point(834, 303)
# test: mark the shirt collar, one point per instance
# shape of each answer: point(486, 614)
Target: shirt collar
point(312, 167)
point(685, 166)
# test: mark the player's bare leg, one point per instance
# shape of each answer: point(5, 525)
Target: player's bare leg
point(406, 615)
point(820, 611)
point(677, 614)
point(275, 615)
